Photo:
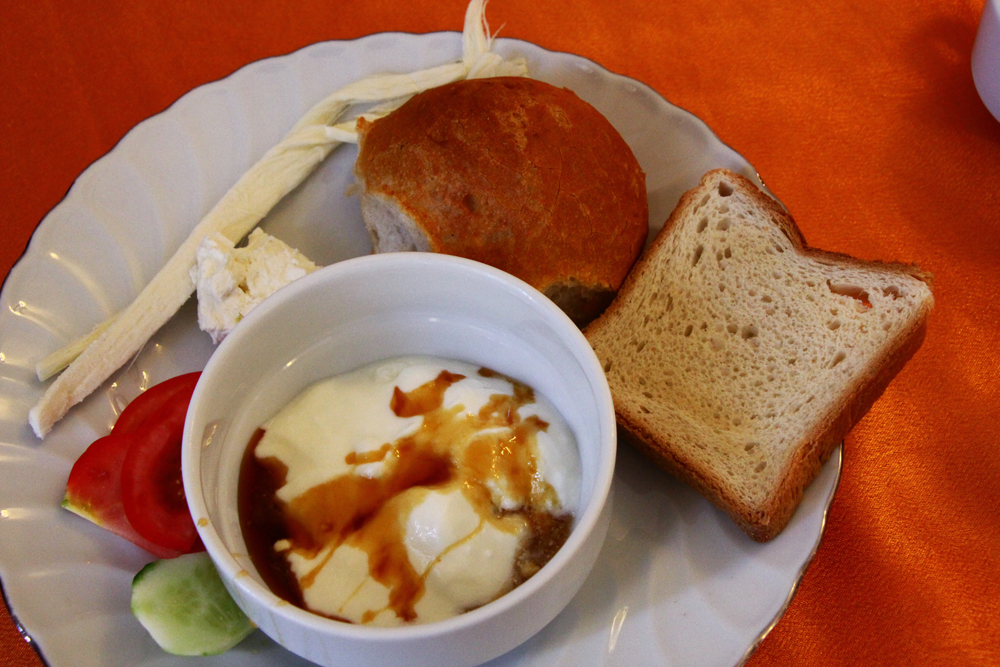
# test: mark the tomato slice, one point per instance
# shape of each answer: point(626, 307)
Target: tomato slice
point(152, 489)
point(148, 402)
point(93, 491)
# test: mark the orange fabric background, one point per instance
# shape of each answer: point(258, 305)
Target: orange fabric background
point(861, 116)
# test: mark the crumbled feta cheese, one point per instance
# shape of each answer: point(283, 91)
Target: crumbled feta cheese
point(231, 281)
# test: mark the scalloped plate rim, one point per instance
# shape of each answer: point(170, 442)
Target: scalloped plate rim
point(28, 256)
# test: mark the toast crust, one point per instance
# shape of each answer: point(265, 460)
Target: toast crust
point(760, 520)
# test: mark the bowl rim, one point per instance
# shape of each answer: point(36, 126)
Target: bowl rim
point(570, 335)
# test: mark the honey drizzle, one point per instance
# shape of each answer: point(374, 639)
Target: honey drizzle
point(374, 456)
point(428, 396)
point(363, 512)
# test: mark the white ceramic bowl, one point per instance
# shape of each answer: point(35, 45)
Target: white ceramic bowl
point(356, 312)
point(986, 57)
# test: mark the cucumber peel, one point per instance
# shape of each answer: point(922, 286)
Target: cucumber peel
point(183, 604)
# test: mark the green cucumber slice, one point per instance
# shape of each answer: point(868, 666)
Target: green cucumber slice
point(182, 603)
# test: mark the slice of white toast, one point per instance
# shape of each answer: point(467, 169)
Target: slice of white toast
point(739, 358)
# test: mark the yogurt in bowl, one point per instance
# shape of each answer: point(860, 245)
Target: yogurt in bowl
point(403, 313)
point(408, 491)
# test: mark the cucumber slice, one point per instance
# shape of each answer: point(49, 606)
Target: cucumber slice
point(182, 603)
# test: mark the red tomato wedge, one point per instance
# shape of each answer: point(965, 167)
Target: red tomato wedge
point(93, 491)
point(151, 485)
point(148, 402)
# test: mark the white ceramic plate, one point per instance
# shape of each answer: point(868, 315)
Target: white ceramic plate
point(676, 584)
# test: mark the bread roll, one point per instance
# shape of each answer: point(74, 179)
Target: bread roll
point(512, 172)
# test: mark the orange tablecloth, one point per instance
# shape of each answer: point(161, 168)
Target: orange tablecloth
point(861, 116)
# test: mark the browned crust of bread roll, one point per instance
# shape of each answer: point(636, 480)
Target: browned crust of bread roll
point(515, 173)
point(762, 521)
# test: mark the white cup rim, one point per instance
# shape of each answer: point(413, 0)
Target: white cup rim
point(585, 523)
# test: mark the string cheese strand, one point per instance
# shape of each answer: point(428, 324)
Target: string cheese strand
point(278, 172)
